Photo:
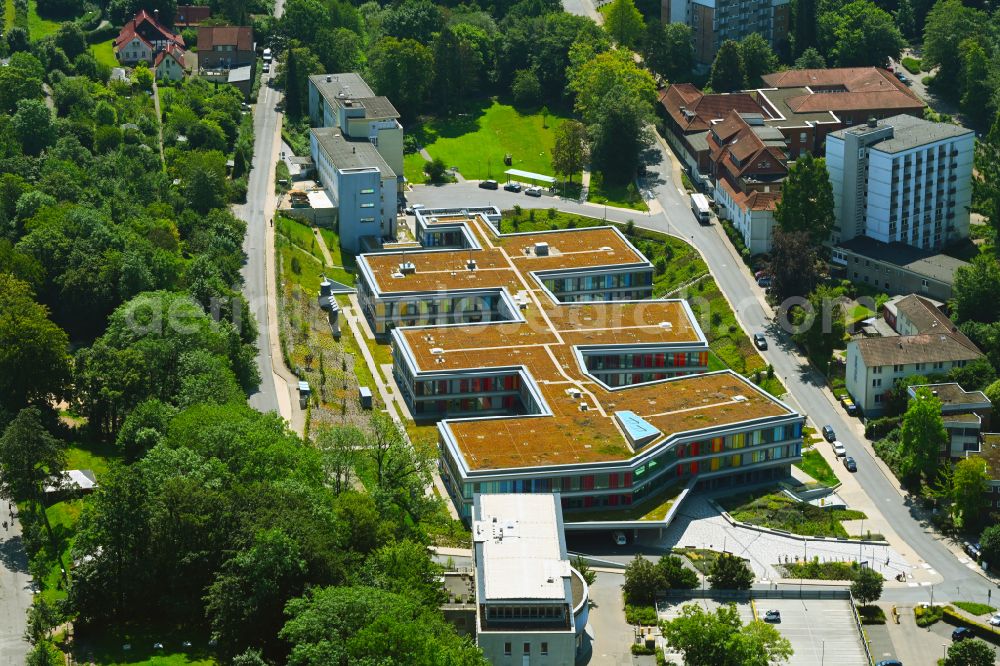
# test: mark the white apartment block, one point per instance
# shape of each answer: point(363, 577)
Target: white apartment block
point(901, 180)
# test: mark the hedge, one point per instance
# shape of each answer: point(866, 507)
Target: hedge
point(912, 65)
point(984, 631)
point(644, 615)
point(879, 428)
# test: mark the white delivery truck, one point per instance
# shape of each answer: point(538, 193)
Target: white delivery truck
point(699, 206)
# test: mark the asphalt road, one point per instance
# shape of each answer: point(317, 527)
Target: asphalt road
point(254, 272)
point(807, 386)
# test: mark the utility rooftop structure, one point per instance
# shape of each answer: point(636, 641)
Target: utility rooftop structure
point(552, 371)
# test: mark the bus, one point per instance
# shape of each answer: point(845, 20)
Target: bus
point(699, 206)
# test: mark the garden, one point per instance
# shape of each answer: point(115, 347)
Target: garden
point(815, 465)
point(780, 512)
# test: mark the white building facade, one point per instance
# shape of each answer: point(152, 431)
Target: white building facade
point(901, 179)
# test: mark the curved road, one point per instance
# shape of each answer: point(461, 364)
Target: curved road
point(806, 386)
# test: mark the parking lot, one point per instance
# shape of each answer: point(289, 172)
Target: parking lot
point(821, 631)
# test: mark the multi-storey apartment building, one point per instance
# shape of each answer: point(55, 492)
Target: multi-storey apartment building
point(901, 180)
point(549, 370)
point(531, 605)
point(361, 185)
point(345, 101)
point(715, 21)
point(928, 343)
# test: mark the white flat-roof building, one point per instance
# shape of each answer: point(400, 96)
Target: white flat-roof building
point(901, 179)
point(531, 605)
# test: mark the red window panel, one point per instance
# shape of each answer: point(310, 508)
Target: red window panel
point(566, 484)
point(703, 358)
point(694, 467)
point(659, 361)
point(588, 482)
point(680, 360)
point(588, 501)
point(613, 500)
point(693, 448)
point(626, 500)
point(612, 480)
point(627, 483)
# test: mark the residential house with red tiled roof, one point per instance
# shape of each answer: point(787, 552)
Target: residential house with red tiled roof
point(225, 46)
point(191, 16)
point(749, 162)
point(169, 63)
point(143, 38)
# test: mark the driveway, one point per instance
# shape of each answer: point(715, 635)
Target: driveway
point(611, 637)
point(15, 596)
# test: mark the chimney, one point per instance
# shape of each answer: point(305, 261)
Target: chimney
point(329, 79)
point(872, 122)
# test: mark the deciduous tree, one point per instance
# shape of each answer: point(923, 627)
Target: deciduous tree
point(807, 200)
point(974, 294)
point(569, 152)
point(970, 653)
point(810, 59)
point(804, 22)
point(730, 572)
point(923, 436)
point(727, 68)
point(986, 179)
point(969, 484)
point(669, 50)
point(949, 23)
point(642, 581)
point(720, 639)
point(624, 23)
point(34, 359)
point(403, 69)
point(859, 34)
point(757, 57)
point(867, 586)
point(794, 264)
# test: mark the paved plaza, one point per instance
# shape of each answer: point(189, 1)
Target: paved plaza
point(698, 524)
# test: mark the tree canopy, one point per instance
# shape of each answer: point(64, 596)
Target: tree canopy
point(859, 34)
point(719, 638)
point(923, 436)
point(807, 200)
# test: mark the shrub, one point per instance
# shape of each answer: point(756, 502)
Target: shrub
point(975, 608)
point(871, 615)
point(642, 648)
point(981, 630)
point(525, 88)
point(435, 170)
point(912, 65)
point(879, 428)
point(645, 615)
point(927, 615)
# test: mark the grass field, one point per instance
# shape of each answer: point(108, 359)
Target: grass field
point(413, 168)
point(104, 53)
point(815, 570)
point(815, 465)
point(780, 512)
point(37, 26)
point(975, 608)
point(726, 338)
point(108, 649)
point(618, 196)
point(476, 142)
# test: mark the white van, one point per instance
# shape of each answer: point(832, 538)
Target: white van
point(267, 55)
point(619, 538)
point(700, 208)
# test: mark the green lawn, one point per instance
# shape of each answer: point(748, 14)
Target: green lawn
point(815, 465)
point(816, 570)
point(91, 455)
point(295, 239)
point(107, 649)
point(8, 14)
point(619, 195)
point(104, 53)
point(37, 26)
point(476, 142)
point(780, 512)
point(726, 338)
point(701, 558)
point(975, 608)
point(413, 168)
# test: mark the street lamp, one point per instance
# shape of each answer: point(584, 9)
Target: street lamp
point(944, 650)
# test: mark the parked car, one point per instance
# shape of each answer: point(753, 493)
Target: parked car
point(764, 281)
point(619, 538)
point(839, 449)
point(848, 404)
point(759, 341)
point(772, 616)
point(995, 620)
point(512, 187)
point(489, 184)
point(850, 464)
point(534, 191)
point(973, 550)
point(828, 433)
point(267, 67)
point(890, 662)
point(961, 634)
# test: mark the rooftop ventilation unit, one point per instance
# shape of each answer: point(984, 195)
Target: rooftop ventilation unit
point(739, 398)
point(397, 274)
point(541, 249)
point(584, 406)
point(575, 393)
point(407, 268)
point(471, 264)
point(667, 325)
point(604, 248)
point(437, 351)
